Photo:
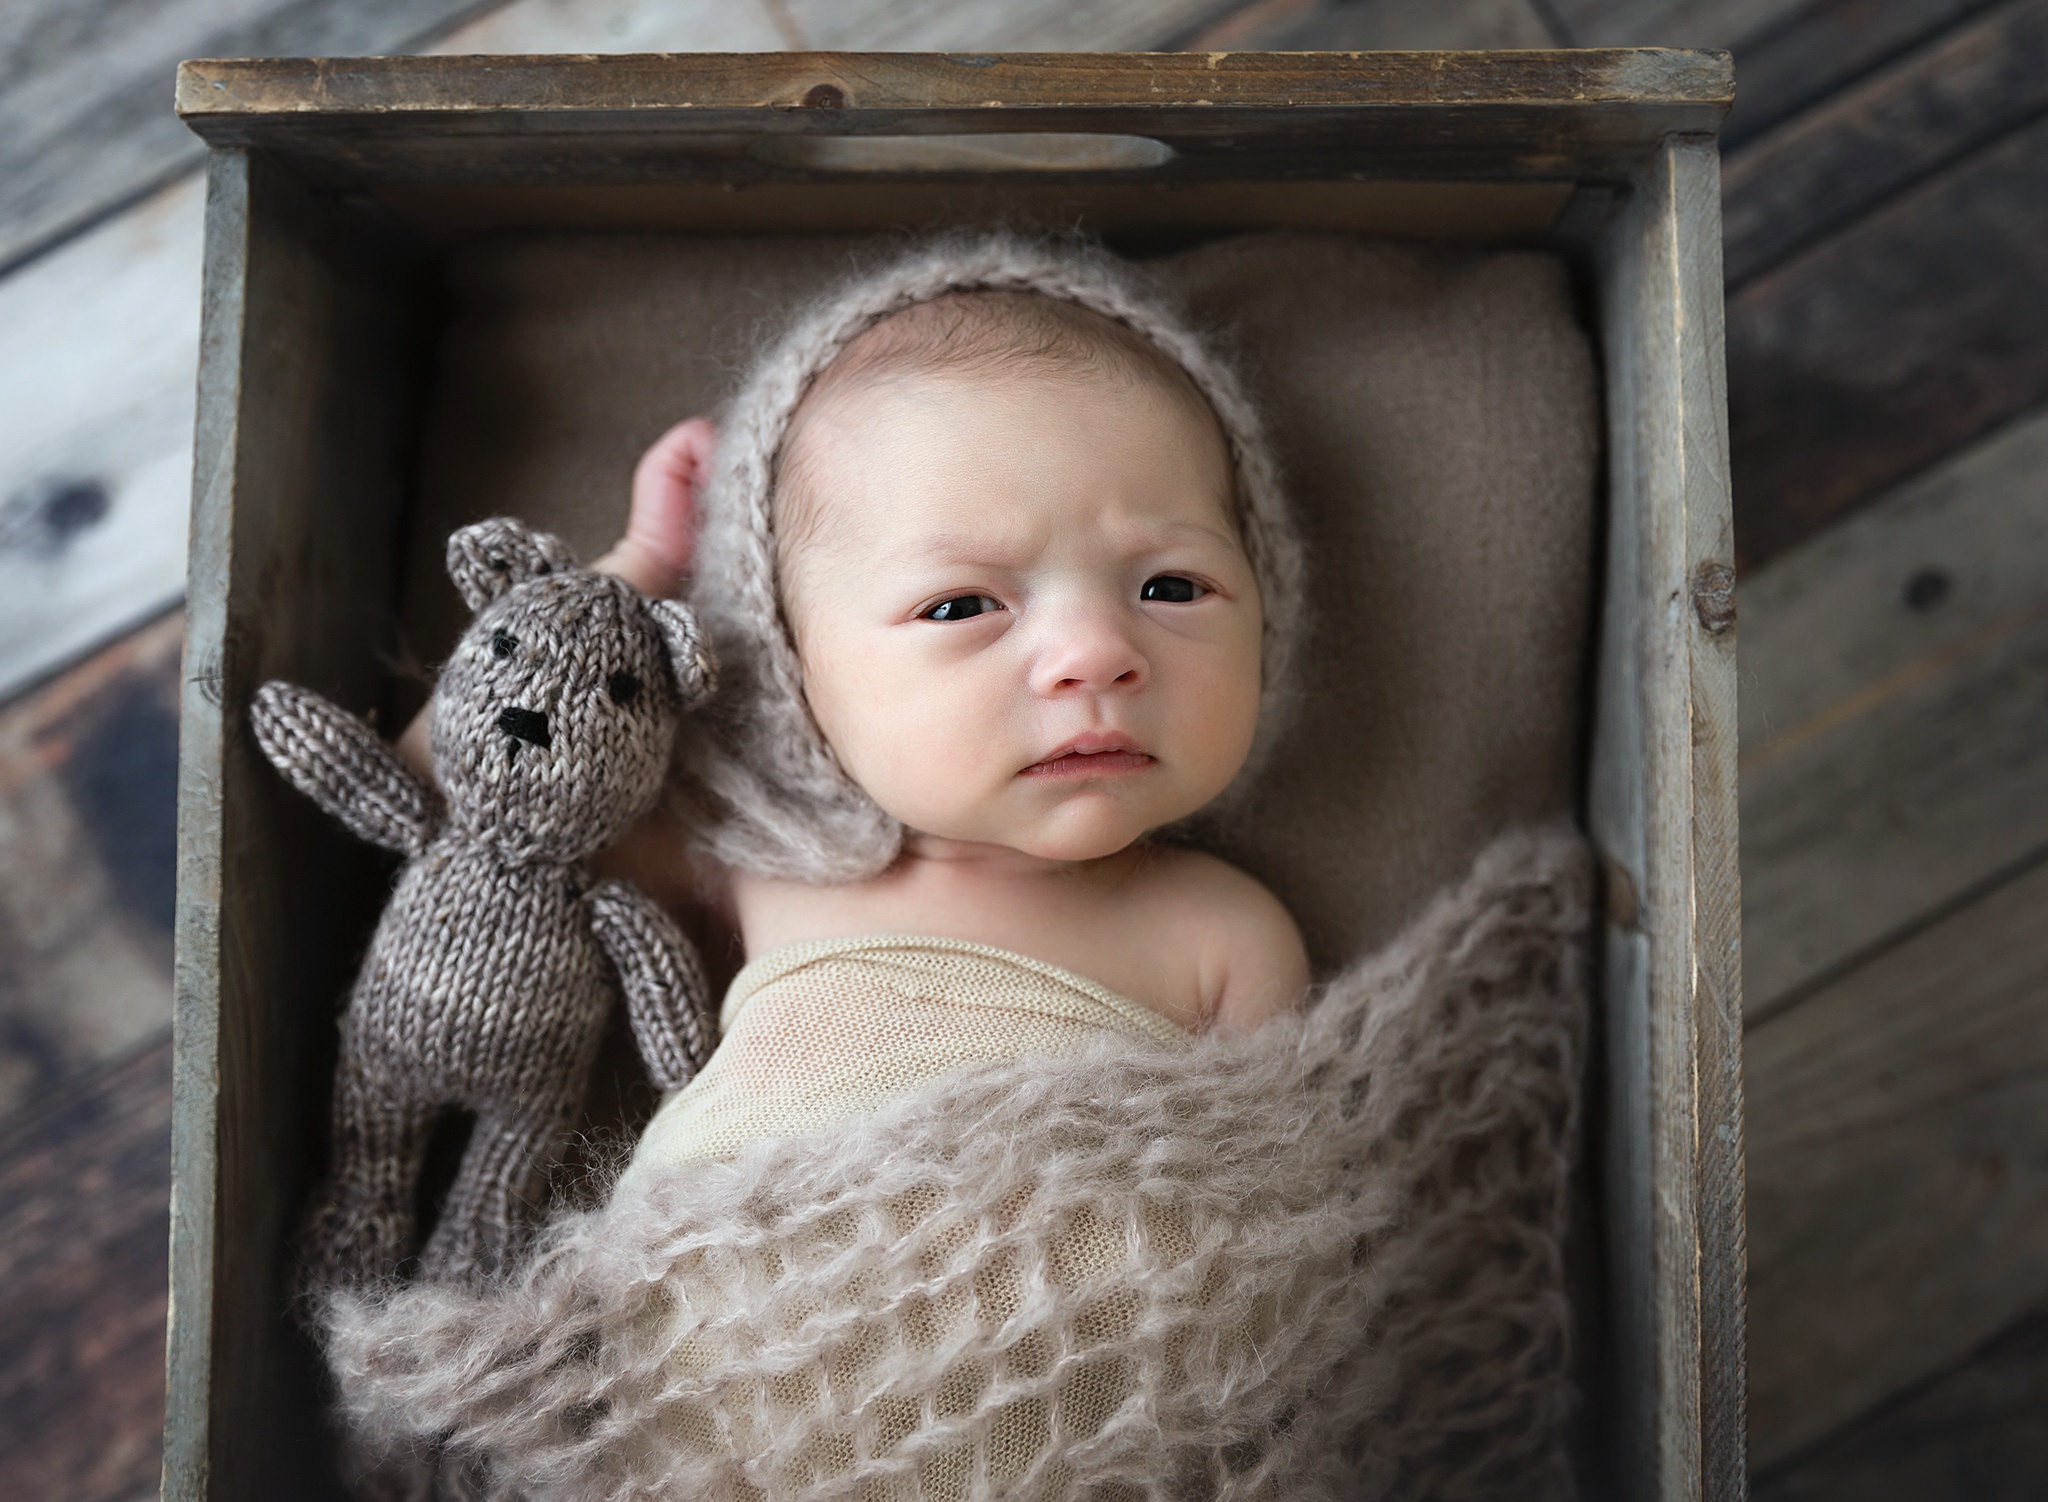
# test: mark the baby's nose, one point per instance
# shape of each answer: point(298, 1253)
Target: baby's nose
point(1090, 655)
point(528, 725)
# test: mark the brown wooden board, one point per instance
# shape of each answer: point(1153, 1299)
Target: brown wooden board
point(1898, 1133)
point(84, 1211)
point(1343, 26)
point(308, 378)
point(1789, 53)
point(1663, 813)
point(85, 91)
point(88, 772)
point(1821, 46)
point(1869, 357)
point(627, 119)
point(1895, 731)
point(1978, 1431)
point(1888, 132)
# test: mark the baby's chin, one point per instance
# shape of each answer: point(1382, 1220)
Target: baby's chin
point(1080, 830)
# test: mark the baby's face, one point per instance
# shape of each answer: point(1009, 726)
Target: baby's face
point(1023, 611)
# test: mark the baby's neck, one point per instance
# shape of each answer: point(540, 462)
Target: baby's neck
point(925, 854)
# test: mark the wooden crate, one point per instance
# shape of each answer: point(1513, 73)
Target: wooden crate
point(334, 183)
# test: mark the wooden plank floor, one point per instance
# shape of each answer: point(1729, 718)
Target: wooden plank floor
point(1886, 184)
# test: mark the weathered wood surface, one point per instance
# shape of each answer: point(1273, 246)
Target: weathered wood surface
point(84, 1190)
point(1815, 47)
point(1895, 727)
point(99, 345)
point(1977, 1431)
point(1663, 814)
point(85, 91)
point(1886, 133)
point(1345, 26)
point(1789, 53)
point(1888, 346)
point(307, 383)
point(1898, 1133)
point(632, 119)
point(97, 348)
point(88, 771)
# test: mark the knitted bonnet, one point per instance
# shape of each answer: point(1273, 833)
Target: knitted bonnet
point(779, 802)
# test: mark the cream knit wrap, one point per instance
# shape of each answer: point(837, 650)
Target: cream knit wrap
point(780, 803)
point(1319, 1260)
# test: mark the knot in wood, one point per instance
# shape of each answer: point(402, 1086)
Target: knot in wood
point(825, 96)
point(1713, 596)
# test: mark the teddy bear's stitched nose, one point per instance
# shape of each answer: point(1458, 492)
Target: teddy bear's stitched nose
point(528, 724)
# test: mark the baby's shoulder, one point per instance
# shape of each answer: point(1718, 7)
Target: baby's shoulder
point(1248, 947)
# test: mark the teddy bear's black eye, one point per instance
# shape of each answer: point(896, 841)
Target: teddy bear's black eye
point(623, 687)
point(503, 644)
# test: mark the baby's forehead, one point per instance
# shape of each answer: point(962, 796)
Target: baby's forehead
point(990, 330)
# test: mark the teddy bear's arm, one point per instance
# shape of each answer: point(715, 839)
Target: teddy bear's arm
point(340, 763)
point(659, 972)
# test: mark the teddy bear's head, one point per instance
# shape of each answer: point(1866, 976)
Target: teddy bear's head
point(555, 715)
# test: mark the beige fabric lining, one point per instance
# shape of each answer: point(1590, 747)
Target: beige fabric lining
point(820, 1032)
point(1436, 417)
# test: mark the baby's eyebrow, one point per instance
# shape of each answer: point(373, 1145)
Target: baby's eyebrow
point(972, 547)
point(993, 549)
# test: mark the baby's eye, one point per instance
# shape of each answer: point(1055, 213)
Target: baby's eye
point(503, 644)
point(1171, 588)
point(961, 607)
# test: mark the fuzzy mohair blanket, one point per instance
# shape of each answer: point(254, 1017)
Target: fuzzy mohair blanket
point(1322, 1259)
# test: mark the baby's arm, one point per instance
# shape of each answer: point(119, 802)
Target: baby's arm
point(1267, 967)
point(1253, 963)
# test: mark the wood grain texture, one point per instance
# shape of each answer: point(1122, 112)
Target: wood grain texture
point(1898, 1130)
point(1821, 46)
point(657, 118)
point(1888, 132)
point(1344, 25)
point(84, 1216)
point(88, 770)
point(602, 26)
point(1978, 1430)
point(1895, 729)
point(1663, 813)
point(98, 342)
point(1790, 54)
point(309, 375)
point(1033, 25)
point(99, 336)
point(85, 90)
point(1890, 345)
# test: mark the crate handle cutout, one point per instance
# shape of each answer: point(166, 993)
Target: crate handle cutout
point(1018, 151)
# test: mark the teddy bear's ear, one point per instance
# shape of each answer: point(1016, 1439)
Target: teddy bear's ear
point(689, 650)
point(487, 558)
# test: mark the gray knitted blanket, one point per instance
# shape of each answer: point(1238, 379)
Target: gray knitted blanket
point(1323, 1259)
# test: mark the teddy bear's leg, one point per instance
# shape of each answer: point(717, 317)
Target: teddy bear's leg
point(362, 1224)
point(490, 1202)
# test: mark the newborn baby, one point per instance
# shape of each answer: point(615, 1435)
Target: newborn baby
point(1016, 618)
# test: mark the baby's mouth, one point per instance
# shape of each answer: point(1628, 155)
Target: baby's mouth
point(1092, 756)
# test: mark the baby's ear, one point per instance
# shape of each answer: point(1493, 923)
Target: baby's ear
point(689, 650)
point(487, 558)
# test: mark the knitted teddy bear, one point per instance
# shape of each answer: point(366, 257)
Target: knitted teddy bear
point(494, 964)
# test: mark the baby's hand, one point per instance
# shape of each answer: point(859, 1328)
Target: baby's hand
point(661, 526)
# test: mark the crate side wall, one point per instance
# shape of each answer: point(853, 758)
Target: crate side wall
point(306, 407)
point(1662, 808)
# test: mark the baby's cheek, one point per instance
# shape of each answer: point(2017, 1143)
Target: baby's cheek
point(901, 729)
